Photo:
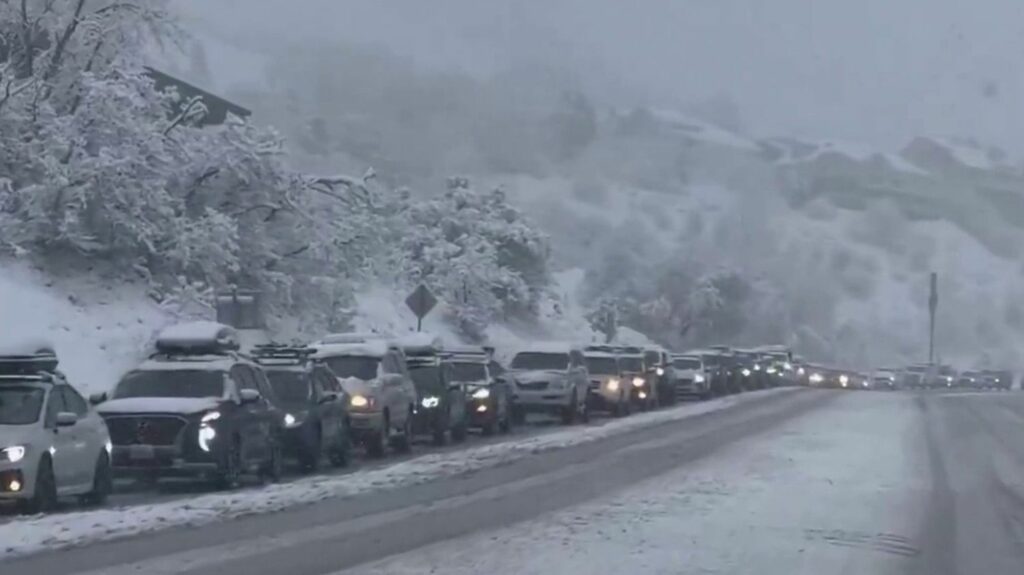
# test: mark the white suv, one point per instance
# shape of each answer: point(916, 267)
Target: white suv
point(52, 443)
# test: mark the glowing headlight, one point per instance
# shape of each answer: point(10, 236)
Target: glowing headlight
point(757, 367)
point(613, 384)
point(430, 401)
point(949, 379)
point(13, 454)
point(843, 379)
point(698, 378)
point(660, 371)
point(290, 421)
point(638, 382)
point(745, 372)
point(14, 485)
point(206, 436)
point(109, 446)
point(360, 401)
point(816, 378)
point(482, 393)
point(643, 395)
point(787, 366)
point(770, 371)
point(211, 416)
point(801, 371)
point(865, 383)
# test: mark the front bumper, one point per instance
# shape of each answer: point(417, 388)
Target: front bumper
point(482, 411)
point(428, 419)
point(545, 400)
point(165, 461)
point(16, 475)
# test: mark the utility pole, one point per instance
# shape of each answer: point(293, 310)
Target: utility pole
point(933, 304)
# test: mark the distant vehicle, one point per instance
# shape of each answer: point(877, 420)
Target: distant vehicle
point(752, 368)
point(693, 378)
point(660, 373)
point(643, 393)
point(971, 379)
point(487, 388)
point(913, 377)
point(552, 378)
point(382, 396)
point(316, 422)
point(997, 379)
point(883, 379)
point(196, 408)
point(441, 399)
point(52, 444)
point(720, 371)
point(608, 390)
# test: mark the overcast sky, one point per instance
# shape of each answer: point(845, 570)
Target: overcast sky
point(873, 71)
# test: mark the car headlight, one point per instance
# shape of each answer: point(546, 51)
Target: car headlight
point(638, 382)
point(660, 371)
point(865, 383)
point(757, 367)
point(482, 393)
point(206, 436)
point(843, 379)
point(13, 454)
point(430, 401)
point(698, 378)
point(816, 378)
point(787, 366)
point(745, 372)
point(361, 401)
point(291, 421)
point(949, 379)
point(211, 416)
point(770, 371)
point(612, 385)
point(801, 371)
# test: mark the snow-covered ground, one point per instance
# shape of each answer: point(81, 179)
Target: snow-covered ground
point(53, 532)
point(822, 494)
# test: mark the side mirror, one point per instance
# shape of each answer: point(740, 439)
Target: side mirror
point(66, 419)
point(97, 398)
point(328, 398)
point(249, 396)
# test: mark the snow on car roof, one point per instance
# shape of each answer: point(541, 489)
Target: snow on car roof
point(24, 347)
point(376, 348)
point(417, 341)
point(547, 347)
point(198, 334)
point(188, 363)
point(600, 354)
point(354, 337)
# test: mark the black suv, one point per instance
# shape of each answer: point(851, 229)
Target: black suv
point(316, 421)
point(440, 401)
point(195, 408)
point(488, 388)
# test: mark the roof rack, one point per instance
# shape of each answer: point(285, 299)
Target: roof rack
point(273, 353)
point(43, 361)
point(197, 338)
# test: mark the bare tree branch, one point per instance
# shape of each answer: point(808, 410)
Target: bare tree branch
point(62, 42)
point(184, 115)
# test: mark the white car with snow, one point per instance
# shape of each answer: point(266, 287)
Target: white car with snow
point(52, 444)
point(551, 378)
point(196, 408)
point(693, 379)
point(382, 395)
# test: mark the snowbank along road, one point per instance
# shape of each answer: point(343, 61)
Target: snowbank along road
point(801, 482)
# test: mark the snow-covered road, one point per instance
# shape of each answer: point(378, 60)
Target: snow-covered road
point(839, 490)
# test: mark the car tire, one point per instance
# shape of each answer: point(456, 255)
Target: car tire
point(270, 471)
point(403, 443)
point(309, 460)
point(375, 442)
point(102, 482)
point(570, 411)
point(585, 412)
point(505, 426)
point(230, 467)
point(44, 499)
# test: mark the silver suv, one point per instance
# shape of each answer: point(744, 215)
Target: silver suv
point(382, 395)
point(551, 378)
point(52, 443)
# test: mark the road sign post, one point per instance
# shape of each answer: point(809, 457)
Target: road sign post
point(933, 305)
point(421, 301)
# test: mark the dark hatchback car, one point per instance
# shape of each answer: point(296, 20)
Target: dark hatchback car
point(316, 421)
point(488, 388)
point(196, 408)
point(440, 401)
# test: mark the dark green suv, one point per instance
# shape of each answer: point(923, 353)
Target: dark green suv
point(440, 401)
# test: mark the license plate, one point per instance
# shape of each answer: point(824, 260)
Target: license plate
point(140, 452)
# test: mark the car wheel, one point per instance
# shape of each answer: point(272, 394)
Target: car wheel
point(45, 497)
point(102, 482)
point(309, 460)
point(441, 431)
point(270, 472)
point(403, 443)
point(585, 412)
point(570, 411)
point(375, 440)
point(505, 426)
point(341, 453)
point(230, 467)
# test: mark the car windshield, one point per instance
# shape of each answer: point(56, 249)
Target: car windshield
point(631, 364)
point(652, 358)
point(171, 383)
point(468, 371)
point(686, 363)
point(290, 386)
point(602, 366)
point(425, 376)
point(359, 367)
point(20, 405)
point(539, 360)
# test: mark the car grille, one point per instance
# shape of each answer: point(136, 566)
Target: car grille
point(595, 384)
point(147, 430)
point(533, 385)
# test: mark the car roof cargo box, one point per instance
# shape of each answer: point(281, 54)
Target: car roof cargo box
point(197, 338)
point(28, 363)
point(281, 354)
point(355, 337)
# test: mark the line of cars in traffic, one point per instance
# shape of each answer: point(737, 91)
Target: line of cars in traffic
point(915, 376)
point(199, 407)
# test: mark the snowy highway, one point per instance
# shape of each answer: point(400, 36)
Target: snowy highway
point(807, 481)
